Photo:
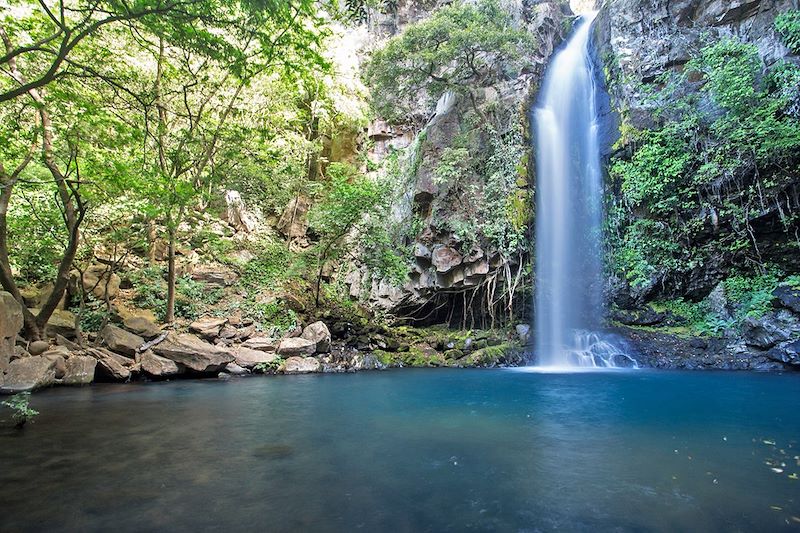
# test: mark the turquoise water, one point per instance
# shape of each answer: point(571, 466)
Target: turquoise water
point(411, 450)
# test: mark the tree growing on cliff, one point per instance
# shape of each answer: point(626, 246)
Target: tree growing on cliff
point(460, 48)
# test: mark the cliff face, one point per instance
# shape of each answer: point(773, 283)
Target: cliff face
point(460, 274)
point(726, 237)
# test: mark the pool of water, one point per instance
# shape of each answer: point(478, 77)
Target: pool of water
point(412, 450)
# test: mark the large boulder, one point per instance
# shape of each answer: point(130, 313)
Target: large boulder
point(788, 297)
point(208, 327)
point(300, 365)
point(445, 258)
point(79, 370)
point(293, 222)
point(191, 352)
point(110, 365)
point(62, 322)
point(786, 353)
point(318, 333)
point(29, 373)
point(10, 324)
point(248, 358)
point(297, 346)
point(121, 341)
point(763, 333)
point(100, 281)
point(142, 326)
point(158, 366)
point(264, 344)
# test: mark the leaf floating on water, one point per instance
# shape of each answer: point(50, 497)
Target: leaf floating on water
point(777, 470)
point(795, 519)
point(770, 442)
point(793, 476)
point(776, 508)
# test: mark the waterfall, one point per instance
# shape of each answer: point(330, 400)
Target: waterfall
point(569, 214)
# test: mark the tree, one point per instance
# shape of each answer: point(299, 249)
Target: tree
point(343, 214)
point(460, 48)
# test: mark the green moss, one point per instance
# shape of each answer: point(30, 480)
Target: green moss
point(490, 356)
point(385, 358)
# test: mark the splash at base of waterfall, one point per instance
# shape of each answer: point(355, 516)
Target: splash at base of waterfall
point(591, 350)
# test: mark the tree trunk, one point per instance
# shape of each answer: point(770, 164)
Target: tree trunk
point(171, 276)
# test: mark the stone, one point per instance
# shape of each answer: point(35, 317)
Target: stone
point(293, 222)
point(264, 344)
point(193, 353)
point(208, 327)
point(237, 214)
point(62, 322)
point(110, 365)
point(157, 366)
point(523, 332)
point(29, 373)
point(79, 370)
point(445, 258)
point(300, 365)
point(787, 353)
point(788, 297)
point(318, 333)
point(100, 281)
point(297, 346)
point(57, 351)
point(249, 358)
point(121, 341)
point(763, 333)
point(11, 322)
point(141, 326)
point(228, 332)
point(236, 370)
point(421, 251)
point(38, 347)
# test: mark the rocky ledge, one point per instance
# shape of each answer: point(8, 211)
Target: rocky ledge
point(224, 347)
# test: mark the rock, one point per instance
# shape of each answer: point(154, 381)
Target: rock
point(300, 365)
point(208, 327)
point(297, 346)
point(121, 341)
point(57, 351)
point(319, 334)
point(264, 344)
point(237, 214)
point(523, 332)
point(142, 326)
point(638, 317)
point(445, 258)
point(11, 322)
point(249, 358)
point(228, 332)
point(787, 353)
point(293, 222)
point(69, 345)
point(61, 323)
point(29, 373)
point(236, 370)
point(38, 347)
point(100, 281)
point(110, 365)
point(788, 297)
point(217, 276)
point(763, 333)
point(79, 370)
point(158, 366)
point(193, 353)
point(19, 353)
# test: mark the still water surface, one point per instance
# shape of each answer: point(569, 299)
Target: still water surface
point(412, 450)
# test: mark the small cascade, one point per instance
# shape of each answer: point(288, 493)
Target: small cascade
point(569, 214)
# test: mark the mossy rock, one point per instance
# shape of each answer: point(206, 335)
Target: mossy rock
point(453, 354)
point(387, 359)
point(491, 356)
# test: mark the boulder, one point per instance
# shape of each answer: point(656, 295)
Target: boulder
point(236, 370)
point(121, 341)
point(191, 352)
point(297, 346)
point(208, 327)
point(300, 365)
point(249, 358)
point(111, 365)
point(38, 347)
point(61, 323)
point(142, 326)
point(264, 344)
point(10, 324)
point(79, 370)
point(100, 281)
point(293, 222)
point(523, 332)
point(445, 258)
point(763, 333)
point(788, 297)
point(29, 373)
point(786, 353)
point(228, 332)
point(158, 366)
point(319, 334)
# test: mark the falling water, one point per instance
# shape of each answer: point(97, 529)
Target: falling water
point(569, 213)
